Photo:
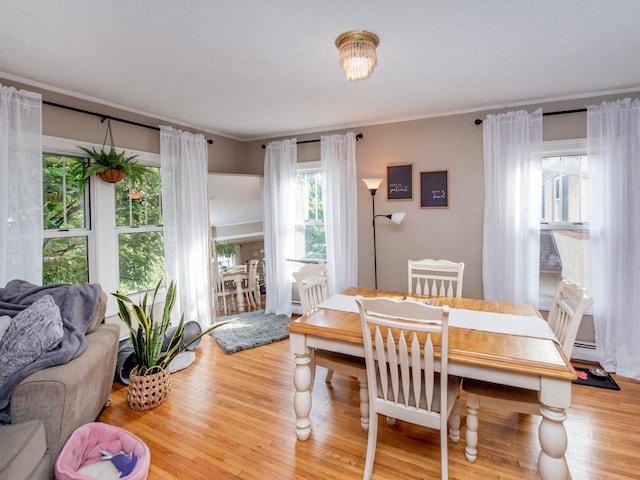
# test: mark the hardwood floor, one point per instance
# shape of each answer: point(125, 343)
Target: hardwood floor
point(231, 416)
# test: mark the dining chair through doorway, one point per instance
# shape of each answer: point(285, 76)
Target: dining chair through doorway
point(314, 288)
point(569, 304)
point(407, 381)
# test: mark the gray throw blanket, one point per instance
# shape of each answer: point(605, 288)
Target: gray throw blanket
point(77, 304)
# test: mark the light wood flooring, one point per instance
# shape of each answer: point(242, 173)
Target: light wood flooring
point(231, 416)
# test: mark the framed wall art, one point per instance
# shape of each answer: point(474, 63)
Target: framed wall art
point(400, 182)
point(434, 189)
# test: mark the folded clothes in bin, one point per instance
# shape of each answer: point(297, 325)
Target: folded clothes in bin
point(98, 450)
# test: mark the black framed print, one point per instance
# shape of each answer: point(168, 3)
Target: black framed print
point(400, 182)
point(434, 189)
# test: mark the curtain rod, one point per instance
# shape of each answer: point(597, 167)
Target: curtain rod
point(562, 112)
point(104, 117)
point(358, 137)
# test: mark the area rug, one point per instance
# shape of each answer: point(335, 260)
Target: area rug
point(586, 378)
point(249, 330)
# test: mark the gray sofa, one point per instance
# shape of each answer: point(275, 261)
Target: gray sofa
point(48, 405)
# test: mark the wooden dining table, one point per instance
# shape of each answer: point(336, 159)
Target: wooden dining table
point(522, 361)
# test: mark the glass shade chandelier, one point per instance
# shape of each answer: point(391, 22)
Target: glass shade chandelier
point(358, 55)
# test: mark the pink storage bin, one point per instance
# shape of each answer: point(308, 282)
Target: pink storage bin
point(84, 445)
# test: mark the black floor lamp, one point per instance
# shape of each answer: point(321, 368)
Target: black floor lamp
point(373, 184)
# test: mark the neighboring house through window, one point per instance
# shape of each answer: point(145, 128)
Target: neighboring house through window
point(564, 226)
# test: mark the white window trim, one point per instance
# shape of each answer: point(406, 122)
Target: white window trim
point(557, 148)
point(103, 234)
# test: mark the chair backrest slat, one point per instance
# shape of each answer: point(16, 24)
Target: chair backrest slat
point(438, 278)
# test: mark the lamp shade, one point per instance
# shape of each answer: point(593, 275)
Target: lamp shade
point(373, 183)
point(397, 217)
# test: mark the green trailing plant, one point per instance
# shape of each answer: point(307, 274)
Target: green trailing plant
point(227, 249)
point(148, 336)
point(106, 159)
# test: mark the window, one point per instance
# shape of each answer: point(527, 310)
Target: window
point(110, 234)
point(310, 243)
point(564, 227)
point(140, 233)
point(66, 220)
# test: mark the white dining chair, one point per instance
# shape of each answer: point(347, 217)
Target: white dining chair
point(222, 294)
point(407, 379)
point(314, 288)
point(251, 289)
point(439, 278)
point(569, 304)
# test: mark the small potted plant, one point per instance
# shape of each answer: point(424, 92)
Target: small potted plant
point(110, 165)
point(150, 380)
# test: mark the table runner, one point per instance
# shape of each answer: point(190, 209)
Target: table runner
point(527, 326)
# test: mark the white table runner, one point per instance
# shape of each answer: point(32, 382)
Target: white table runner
point(527, 326)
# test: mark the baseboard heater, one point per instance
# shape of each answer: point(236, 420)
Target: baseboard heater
point(585, 351)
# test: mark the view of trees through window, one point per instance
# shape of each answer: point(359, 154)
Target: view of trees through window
point(67, 247)
point(140, 233)
point(310, 239)
point(66, 220)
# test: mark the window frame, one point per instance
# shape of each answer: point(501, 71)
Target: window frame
point(558, 148)
point(102, 235)
point(304, 167)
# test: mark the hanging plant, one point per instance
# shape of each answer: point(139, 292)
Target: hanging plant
point(110, 165)
point(227, 249)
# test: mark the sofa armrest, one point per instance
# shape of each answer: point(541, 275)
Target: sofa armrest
point(67, 396)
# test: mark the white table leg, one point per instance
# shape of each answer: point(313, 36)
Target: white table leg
point(302, 397)
point(552, 463)
point(239, 295)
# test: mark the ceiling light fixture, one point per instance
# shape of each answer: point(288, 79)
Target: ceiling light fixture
point(358, 53)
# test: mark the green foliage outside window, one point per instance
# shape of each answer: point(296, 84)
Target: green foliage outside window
point(65, 258)
point(311, 215)
point(141, 254)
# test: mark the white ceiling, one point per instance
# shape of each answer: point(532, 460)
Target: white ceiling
point(255, 69)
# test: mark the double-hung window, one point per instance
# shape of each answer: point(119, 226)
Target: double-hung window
point(310, 242)
point(564, 226)
point(110, 234)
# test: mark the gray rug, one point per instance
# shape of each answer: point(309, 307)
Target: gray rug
point(249, 330)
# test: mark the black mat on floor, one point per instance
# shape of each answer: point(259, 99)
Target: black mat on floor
point(595, 381)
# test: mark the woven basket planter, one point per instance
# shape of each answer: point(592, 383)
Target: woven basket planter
point(113, 175)
point(148, 391)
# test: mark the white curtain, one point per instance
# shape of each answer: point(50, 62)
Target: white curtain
point(512, 208)
point(279, 217)
point(338, 159)
point(184, 167)
point(21, 225)
point(613, 135)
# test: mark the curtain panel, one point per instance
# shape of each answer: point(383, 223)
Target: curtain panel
point(338, 160)
point(21, 223)
point(279, 218)
point(512, 179)
point(613, 137)
point(184, 167)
